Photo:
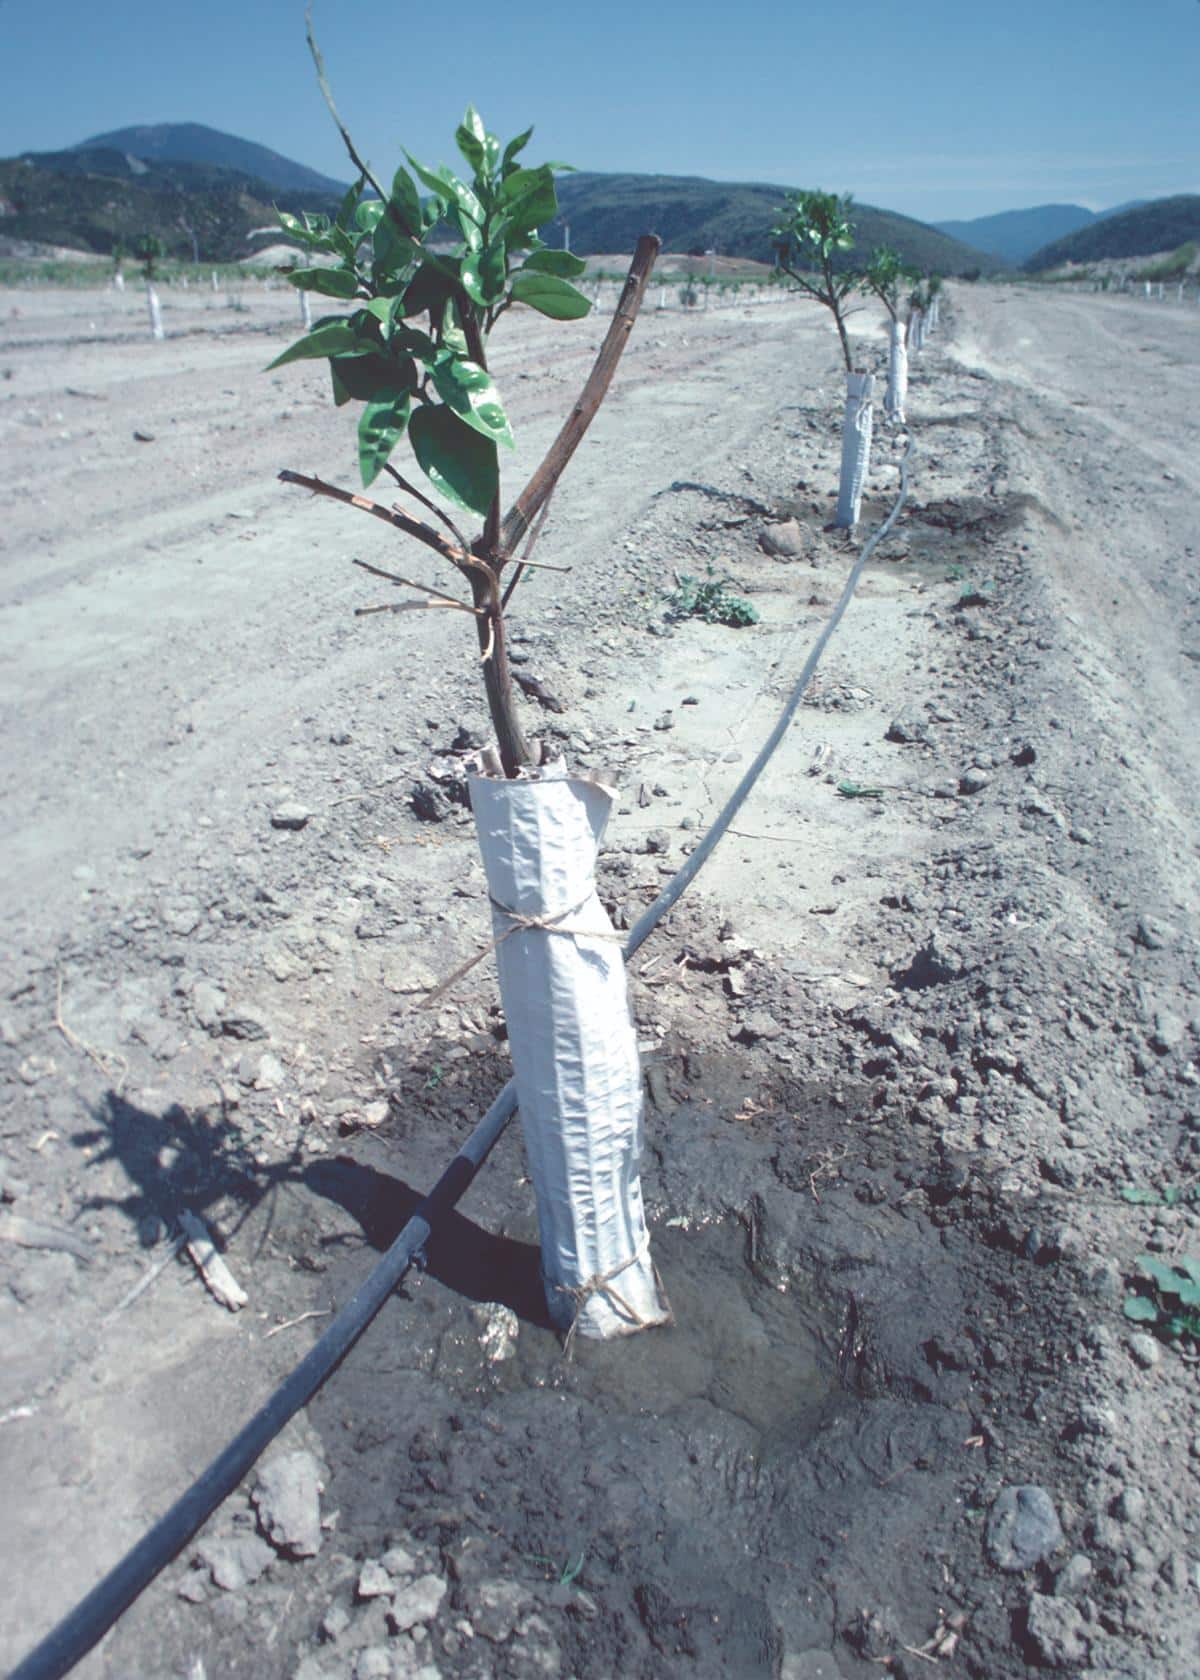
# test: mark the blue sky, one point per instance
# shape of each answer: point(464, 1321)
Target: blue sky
point(944, 109)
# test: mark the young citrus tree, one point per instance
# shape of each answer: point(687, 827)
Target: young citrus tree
point(885, 274)
point(148, 250)
point(409, 350)
point(811, 235)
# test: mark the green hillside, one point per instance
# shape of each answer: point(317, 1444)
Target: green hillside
point(608, 212)
point(1162, 225)
point(89, 199)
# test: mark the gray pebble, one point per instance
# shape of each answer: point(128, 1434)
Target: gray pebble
point(1056, 1631)
point(290, 815)
point(1022, 1528)
point(974, 780)
point(1130, 1505)
point(287, 1496)
point(1145, 1350)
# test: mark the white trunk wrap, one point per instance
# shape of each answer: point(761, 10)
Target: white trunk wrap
point(897, 385)
point(856, 447)
point(305, 312)
point(156, 326)
point(574, 1049)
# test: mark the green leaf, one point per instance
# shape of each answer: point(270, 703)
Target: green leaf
point(369, 215)
point(446, 184)
point(468, 389)
point(347, 206)
point(485, 274)
point(328, 338)
point(428, 289)
point(1166, 1277)
point(514, 147)
point(380, 429)
point(369, 378)
point(563, 263)
point(330, 282)
point(406, 200)
point(1141, 1309)
point(471, 138)
point(459, 463)
point(528, 199)
point(550, 296)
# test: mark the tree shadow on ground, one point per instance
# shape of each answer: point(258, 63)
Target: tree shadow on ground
point(177, 1160)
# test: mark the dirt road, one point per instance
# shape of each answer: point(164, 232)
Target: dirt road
point(908, 1051)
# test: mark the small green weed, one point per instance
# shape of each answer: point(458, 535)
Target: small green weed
point(852, 790)
point(1171, 1195)
point(1170, 1303)
point(710, 599)
point(563, 1575)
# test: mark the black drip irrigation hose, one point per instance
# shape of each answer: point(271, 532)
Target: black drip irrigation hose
point(94, 1615)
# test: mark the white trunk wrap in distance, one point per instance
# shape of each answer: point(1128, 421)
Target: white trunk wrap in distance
point(156, 326)
point(574, 1049)
point(856, 447)
point(897, 385)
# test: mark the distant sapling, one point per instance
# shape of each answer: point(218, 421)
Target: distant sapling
point(148, 250)
point(811, 236)
point(885, 274)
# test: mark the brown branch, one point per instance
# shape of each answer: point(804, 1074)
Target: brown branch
point(327, 92)
point(409, 583)
point(531, 542)
point(412, 527)
point(524, 510)
point(419, 496)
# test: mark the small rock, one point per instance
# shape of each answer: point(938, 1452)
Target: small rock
point(335, 1621)
point(1130, 1505)
point(784, 539)
point(373, 1662)
point(398, 1561)
point(1056, 1630)
point(1152, 934)
point(1169, 1031)
point(290, 815)
point(236, 1562)
point(269, 1074)
point(757, 1024)
point(208, 1002)
point(1074, 1577)
point(499, 1328)
point(1144, 1350)
point(664, 721)
point(657, 841)
point(1022, 1528)
point(974, 780)
point(340, 737)
point(429, 803)
point(417, 1601)
point(908, 727)
point(1024, 754)
point(374, 1581)
point(245, 1024)
point(496, 1608)
point(287, 1497)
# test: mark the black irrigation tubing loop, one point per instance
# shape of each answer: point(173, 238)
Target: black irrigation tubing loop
point(94, 1615)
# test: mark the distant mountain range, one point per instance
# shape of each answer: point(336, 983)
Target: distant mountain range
point(207, 195)
point(202, 191)
point(1015, 235)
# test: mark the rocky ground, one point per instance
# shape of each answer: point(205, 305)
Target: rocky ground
point(919, 1044)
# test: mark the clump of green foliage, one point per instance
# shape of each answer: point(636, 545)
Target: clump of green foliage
point(710, 598)
point(811, 234)
point(148, 250)
point(886, 272)
point(1170, 1299)
point(430, 380)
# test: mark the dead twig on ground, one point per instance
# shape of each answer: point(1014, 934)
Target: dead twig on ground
point(110, 1062)
point(218, 1279)
point(291, 1323)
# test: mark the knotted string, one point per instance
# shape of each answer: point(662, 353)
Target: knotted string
point(601, 1283)
point(549, 923)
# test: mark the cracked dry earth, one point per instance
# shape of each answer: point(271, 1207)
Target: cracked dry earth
point(924, 1024)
